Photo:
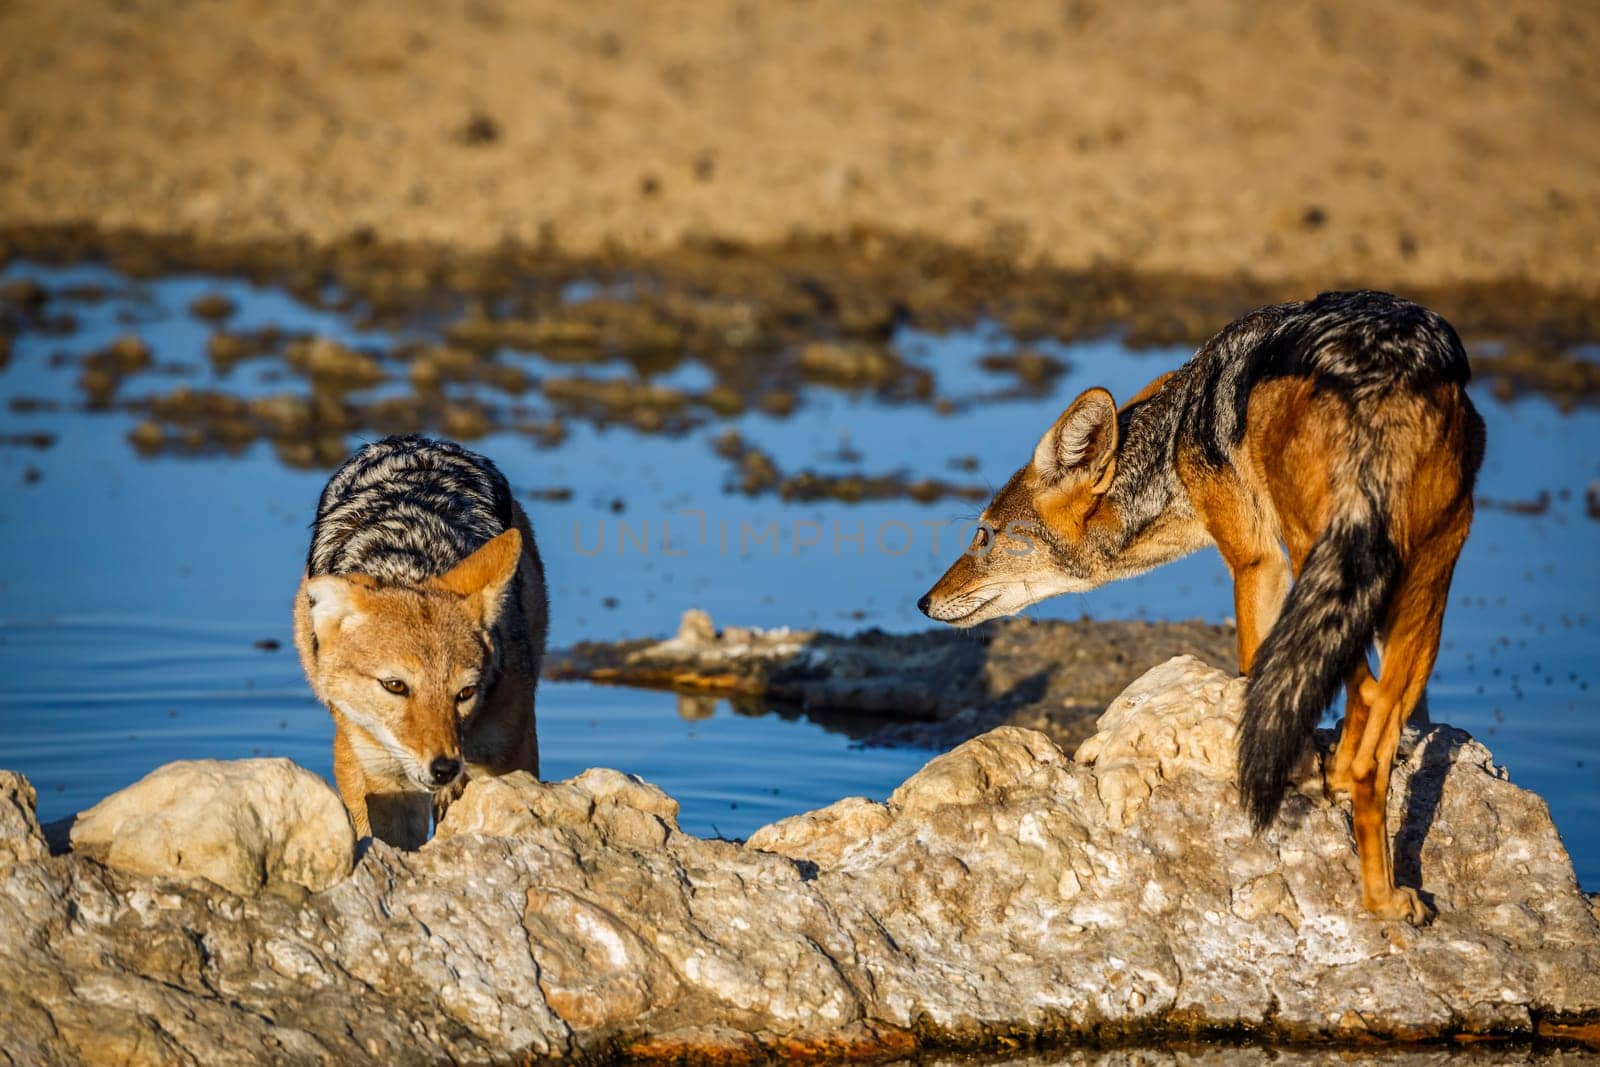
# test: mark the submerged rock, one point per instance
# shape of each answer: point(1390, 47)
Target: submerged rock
point(212, 307)
point(850, 364)
point(933, 688)
point(328, 363)
point(1003, 893)
point(1035, 371)
point(757, 474)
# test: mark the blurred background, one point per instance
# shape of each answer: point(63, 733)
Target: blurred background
point(684, 270)
point(1397, 142)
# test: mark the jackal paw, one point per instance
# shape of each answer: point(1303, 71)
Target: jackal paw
point(1403, 903)
point(1337, 784)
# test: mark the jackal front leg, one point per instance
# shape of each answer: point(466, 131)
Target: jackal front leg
point(352, 783)
point(1237, 521)
point(400, 818)
point(1259, 589)
point(380, 809)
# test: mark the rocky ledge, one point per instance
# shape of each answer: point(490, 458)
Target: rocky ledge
point(1005, 893)
point(934, 688)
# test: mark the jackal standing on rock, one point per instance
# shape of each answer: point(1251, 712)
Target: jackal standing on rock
point(421, 624)
point(1338, 428)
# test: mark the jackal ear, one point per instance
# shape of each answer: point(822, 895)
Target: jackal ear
point(484, 576)
point(332, 598)
point(1083, 441)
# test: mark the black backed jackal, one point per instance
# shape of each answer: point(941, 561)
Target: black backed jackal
point(421, 623)
point(1337, 428)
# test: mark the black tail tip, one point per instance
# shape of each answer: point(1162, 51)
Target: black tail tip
point(1262, 800)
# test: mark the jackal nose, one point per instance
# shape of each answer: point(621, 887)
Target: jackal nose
point(922, 605)
point(444, 770)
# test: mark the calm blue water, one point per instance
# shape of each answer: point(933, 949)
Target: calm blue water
point(133, 591)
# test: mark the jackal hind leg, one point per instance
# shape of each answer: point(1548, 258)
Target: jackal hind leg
point(1338, 783)
point(1416, 615)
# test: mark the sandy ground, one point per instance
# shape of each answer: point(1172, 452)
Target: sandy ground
point(1388, 143)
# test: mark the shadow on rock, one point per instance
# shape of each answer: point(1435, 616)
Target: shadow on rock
point(1433, 757)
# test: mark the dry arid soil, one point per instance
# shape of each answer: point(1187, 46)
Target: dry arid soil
point(1399, 144)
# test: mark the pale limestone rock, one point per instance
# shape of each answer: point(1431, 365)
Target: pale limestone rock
point(244, 824)
point(698, 648)
point(21, 840)
point(594, 969)
point(996, 893)
point(696, 628)
point(823, 836)
point(986, 768)
point(624, 808)
point(1181, 717)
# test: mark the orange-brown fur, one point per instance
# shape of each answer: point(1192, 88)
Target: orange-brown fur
point(440, 636)
point(1275, 493)
point(1279, 490)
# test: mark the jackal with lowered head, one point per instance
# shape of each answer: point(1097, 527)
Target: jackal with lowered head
point(1337, 428)
point(421, 622)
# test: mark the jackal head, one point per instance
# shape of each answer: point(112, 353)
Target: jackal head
point(1050, 530)
point(407, 665)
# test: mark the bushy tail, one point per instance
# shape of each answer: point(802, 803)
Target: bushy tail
point(1330, 617)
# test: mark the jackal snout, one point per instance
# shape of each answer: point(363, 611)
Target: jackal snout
point(444, 770)
point(963, 591)
point(430, 733)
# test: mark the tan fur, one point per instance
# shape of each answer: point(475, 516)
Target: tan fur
point(1280, 487)
point(1275, 494)
point(1429, 526)
point(1148, 391)
point(1069, 503)
point(439, 637)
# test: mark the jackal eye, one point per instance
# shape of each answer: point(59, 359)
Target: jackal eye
point(395, 686)
point(980, 538)
point(466, 694)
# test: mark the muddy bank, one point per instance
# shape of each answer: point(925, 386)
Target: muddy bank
point(1004, 896)
point(768, 322)
point(854, 287)
point(756, 473)
point(1403, 145)
point(935, 688)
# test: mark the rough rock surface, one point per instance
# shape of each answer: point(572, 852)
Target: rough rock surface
point(21, 840)
point(246, 825)
point(932, 688)
point(1171, 722)
point(1004, 892)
